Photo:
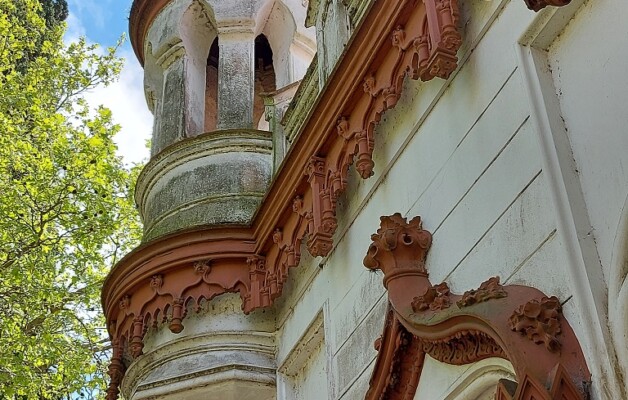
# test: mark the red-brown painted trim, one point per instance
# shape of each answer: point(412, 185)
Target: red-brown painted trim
point(517, 323)
point(143, 13)
point(404, 38)
point(399, 362)
point(155, 283)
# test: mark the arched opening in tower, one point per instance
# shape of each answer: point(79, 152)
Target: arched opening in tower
point(211, 88)
point(265, 81)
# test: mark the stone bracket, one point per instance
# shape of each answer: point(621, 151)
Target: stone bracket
point(517, 323)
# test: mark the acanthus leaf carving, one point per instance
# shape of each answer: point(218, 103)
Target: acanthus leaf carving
point(464, 347)
point(399, 247)
point(538, 5)
point(435, 298)
point(490, 289)
point(539, 320)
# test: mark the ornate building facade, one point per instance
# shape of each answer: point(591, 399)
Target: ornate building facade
point(295, 146)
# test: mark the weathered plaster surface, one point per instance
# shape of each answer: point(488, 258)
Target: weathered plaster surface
point(217, 178)
point(221, 354)
point(478, 181)
point(463, 154)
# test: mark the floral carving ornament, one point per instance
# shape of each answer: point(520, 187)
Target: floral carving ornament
point(539, 320)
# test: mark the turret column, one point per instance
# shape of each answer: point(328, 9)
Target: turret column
point(236, 77)
point(181, 112)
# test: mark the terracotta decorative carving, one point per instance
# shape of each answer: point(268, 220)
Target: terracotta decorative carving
point(400, 361)
point(465, 347)
point(394, 242)
point(202, 267)
point(453, 330)
point(538, 5)
point(561, 387)
point(539, 320)
point(323, 222)
point(491, 289)
point(160, 280)
point(435, 298)
point(116, 370)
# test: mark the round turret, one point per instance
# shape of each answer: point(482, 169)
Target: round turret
point(209, 65)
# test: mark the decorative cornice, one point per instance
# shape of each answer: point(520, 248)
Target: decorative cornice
point(143, 13)
point(492, 321)
point(158, 281)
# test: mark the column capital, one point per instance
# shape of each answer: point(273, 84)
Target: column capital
point(169, 54)
point(236, 30)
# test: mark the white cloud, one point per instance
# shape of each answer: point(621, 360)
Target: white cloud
point(92, 8)
point(75, 30)
point(125, 98)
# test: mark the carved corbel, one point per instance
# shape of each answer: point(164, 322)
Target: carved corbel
point(324, 223)
point(116, 370)
point(442, 21)
point(258, 295)
point(518, 323)
point(164, 297)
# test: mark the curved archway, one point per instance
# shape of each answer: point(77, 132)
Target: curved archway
point(211, 87)
point(198, 35)
point(265, 78)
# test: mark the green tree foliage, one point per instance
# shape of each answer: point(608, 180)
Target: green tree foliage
point(54, 11)
point(66, 213)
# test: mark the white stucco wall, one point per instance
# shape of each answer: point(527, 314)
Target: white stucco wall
point(468, 156)
point(589, 63)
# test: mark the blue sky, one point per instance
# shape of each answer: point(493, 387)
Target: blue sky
point(103, 22)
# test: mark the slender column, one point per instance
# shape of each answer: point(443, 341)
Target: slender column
point(181, 109)
point(236, 77)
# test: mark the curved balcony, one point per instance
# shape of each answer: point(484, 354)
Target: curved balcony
point(218, 178)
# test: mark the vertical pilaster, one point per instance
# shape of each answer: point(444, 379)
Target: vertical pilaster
point(180, 113)
point(236, 78)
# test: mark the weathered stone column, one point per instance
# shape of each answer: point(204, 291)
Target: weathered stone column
point(236, 77)
point(180, 112)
